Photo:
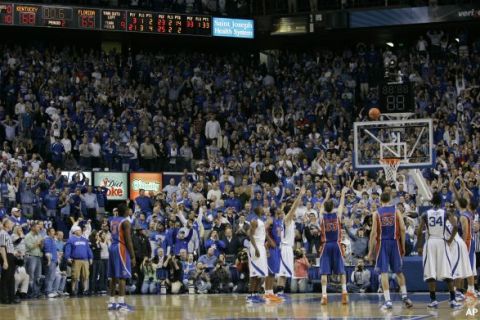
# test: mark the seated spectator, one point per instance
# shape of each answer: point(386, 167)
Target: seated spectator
point(220, 277)
point(360, 279)
point(209, 259)
point(188, 269)
point(299, 281)
point(241, 263)
point(214, 242)
point(201, 279)
point(175, 274)
point(150, 281)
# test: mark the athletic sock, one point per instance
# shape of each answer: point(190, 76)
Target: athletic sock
point(121, 299)
point(344, 288)
point(403, 290)
point(111, 300)
point(324, 290)
point(452, 295)
point(471, 288)
point(433, 295)
point(386, 294)
point(280, 289)
point(268, 291)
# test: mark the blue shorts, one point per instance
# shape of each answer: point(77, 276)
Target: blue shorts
point(388, 257)
point(331, 259)
point(119, 265)
point(273, 260)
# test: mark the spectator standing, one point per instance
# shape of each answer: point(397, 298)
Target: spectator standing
point(50, 250)
point(21, 275)
point(91, 203)
point(212, 129)
point(34, 254)
point(79, 254)
point(149, 156)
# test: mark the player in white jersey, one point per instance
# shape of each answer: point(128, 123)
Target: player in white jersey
point(436, 255)
point(287, 243)
point(257, 256)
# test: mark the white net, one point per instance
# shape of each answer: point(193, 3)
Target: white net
point(390, 166)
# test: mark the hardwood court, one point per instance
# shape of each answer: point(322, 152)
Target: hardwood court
point(301, 306)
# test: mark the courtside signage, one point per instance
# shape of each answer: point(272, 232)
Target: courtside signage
point(115, 182)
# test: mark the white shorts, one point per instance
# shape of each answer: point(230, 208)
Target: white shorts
point(286, 261)
point(258, 266)
point(437, 263)
point(461, 267)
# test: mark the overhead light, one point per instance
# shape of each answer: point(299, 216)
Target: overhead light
point(390, 44)
point(457, 39)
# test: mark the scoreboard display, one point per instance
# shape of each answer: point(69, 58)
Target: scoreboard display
point(397, 98)
point(37, 15)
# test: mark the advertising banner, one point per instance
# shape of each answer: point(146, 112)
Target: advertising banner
point(115, 182)
point(149, 181)
point(233, 28)
point(83, 175)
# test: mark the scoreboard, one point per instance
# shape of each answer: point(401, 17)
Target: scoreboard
point(397, 98)
point(33, 15)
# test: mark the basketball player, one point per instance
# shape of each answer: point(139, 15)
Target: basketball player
point(436, 258)
point(121, 258)
point(287, 243)
point(273, 227)
point(331, 252)
point(257, 256)
point(467, 255)
point(388, 239)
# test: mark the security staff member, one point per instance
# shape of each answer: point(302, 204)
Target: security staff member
point(7, 263)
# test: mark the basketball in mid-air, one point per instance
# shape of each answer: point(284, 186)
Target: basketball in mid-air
point(374, 114)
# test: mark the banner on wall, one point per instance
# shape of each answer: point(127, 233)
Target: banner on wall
point(83, 175)
point(115, 182)
point(149, 181)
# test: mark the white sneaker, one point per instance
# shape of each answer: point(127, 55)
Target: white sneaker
point(52, 295)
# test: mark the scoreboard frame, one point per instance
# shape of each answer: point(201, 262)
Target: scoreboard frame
point(100, 19)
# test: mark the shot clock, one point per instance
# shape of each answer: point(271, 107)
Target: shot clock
point(396, 98)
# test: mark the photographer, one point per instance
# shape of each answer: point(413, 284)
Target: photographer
point(142, 248)
point(360, 279)
point(175, 274)
point(241, 263)
point(221, 279)
point(300, 279)
point(150, 281)
point(201, 279)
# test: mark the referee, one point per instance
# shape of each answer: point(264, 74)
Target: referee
point(7, 263)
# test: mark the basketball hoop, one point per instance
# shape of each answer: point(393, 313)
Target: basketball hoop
point(390, 166)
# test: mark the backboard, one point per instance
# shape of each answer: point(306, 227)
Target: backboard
point(410, 140)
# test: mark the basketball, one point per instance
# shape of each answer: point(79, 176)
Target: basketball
point(374, 113)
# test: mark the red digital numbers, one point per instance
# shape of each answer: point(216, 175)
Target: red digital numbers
point(8, 17)
point(27, 18)
point(87, 22)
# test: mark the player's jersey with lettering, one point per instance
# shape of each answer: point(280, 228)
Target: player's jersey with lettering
point(331, 228)
point(436, 221)
point(387, 224)
point(259, 234)
point(118, 236)
point(288, 234)
point(276, 232)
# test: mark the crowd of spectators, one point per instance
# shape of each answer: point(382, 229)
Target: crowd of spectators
point(251, 134)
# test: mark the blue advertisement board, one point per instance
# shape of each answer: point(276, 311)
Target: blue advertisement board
point(233, 28)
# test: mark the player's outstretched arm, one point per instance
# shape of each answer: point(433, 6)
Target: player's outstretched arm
point(291, 214)
point(127, 229)
point(341, 206)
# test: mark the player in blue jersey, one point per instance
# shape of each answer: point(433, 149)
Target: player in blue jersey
point(331, 252)
point(273, 228)
point(387, 239)
point(121, 258)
